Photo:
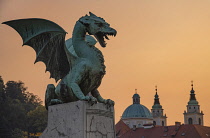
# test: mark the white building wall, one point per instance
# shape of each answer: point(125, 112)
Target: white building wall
point(193, 108)
point(159, 120)
point(195, 118)
point(138, 122)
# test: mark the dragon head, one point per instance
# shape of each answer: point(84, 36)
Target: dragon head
point(98, 27)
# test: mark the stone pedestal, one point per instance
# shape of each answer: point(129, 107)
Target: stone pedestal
point(80, 120)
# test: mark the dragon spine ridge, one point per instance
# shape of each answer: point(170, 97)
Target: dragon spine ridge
point(77, 62)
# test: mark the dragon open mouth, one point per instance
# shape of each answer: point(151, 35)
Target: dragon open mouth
point(100, 37)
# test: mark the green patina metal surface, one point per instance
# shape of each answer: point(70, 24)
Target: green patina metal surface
point(77, 63)
point(136, 111)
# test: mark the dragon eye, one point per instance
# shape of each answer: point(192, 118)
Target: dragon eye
point(99, 24)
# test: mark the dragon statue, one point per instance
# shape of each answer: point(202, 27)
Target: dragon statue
point(76, 62)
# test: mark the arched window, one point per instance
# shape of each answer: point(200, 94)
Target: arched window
point(199, 121)
point(190, 121)
point(162, 123)
point(154, 123)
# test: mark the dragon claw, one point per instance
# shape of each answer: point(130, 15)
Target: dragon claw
point(73, 66)
point(109, 103)
point(92, 100)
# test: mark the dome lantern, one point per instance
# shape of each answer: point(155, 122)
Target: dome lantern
point(136, 110)
point(136, 98)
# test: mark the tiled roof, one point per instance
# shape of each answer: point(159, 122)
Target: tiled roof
point(182, 131)
point(203, 131)
point(121, 128)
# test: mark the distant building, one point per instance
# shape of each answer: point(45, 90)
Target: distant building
point(193, 114)
point(136, 115)
point(157, 112)
point(138, 122)
point(175, 131)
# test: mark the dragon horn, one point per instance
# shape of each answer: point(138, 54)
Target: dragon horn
point(91, 14)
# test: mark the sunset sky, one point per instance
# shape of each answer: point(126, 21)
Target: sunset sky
point(159, 42)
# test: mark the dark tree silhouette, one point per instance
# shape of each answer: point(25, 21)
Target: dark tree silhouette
point(20, 110)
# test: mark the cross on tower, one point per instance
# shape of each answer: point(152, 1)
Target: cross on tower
point(136, 91)
point(192, 83)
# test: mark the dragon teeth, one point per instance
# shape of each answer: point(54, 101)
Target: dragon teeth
point(106, 37)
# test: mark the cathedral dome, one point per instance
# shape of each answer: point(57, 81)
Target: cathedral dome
point(136, 111)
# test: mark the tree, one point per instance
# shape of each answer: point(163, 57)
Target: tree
point(5, 130)
point(16, 114)
point(15, 90)
point(2, 91)
point(16, 103)
point(17, 133)
point(31, 101)
point(37, 119)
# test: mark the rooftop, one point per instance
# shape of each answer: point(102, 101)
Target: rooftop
point(187, 131)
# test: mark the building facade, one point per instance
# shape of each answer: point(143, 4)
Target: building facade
point(136, 115)
point(138, 122)
point(157, 112)
point(193, 115)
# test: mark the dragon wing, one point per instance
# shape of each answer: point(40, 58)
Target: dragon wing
point(48, 40)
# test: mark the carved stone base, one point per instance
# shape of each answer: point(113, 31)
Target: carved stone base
point(80, 120)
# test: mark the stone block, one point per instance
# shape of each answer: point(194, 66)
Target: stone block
point(80, 120)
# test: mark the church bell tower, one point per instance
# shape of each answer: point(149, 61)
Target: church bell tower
point(157, 112)
point(193, 114)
